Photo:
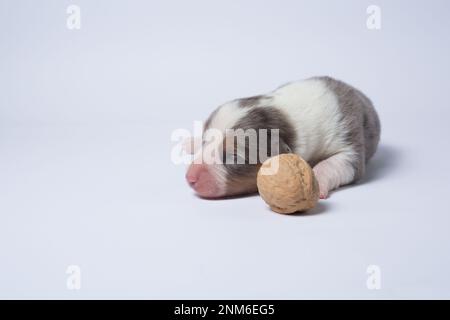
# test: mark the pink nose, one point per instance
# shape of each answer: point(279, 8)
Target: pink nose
point(202, 181)
point(194, 172)
point(191, 178)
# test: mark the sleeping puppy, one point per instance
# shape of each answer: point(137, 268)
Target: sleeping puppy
point(330, 124)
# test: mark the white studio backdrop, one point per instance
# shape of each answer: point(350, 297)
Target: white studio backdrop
point(91, 205)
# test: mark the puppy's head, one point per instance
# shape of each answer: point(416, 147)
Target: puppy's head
point(237, 138)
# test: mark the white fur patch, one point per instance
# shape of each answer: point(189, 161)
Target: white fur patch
point(314, 112)
point(227, 116)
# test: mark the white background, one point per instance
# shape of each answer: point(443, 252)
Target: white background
point(85, 171)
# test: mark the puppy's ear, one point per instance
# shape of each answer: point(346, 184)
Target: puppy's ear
point(278, 146)
point(274, 147)
point(281, 147)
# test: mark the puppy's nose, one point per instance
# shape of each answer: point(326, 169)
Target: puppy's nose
point(202, 181)
point(193, 174)
point(191, 179)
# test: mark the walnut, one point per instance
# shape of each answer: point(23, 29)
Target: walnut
point(291, 188)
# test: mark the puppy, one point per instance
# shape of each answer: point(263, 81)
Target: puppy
point(330, 124)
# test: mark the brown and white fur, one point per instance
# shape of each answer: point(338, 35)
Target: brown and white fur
point(330, 124)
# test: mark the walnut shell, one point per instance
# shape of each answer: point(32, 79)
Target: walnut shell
point(291, 188)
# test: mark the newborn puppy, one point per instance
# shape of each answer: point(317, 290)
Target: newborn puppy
point(330, 124)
